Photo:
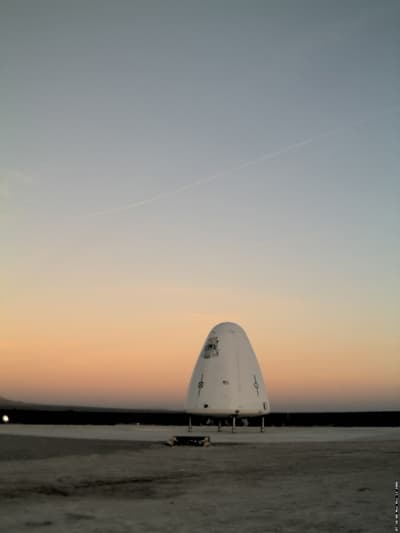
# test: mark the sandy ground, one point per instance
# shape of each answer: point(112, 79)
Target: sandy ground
point(242, 435)
point(285, 480)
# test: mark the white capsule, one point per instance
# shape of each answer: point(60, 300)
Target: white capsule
point(227, 378)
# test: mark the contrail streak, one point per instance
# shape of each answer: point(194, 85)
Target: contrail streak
point(263, 157)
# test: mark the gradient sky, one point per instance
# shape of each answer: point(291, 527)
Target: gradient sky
point(165, 166)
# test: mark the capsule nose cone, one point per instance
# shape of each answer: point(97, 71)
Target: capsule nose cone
point(227, 327)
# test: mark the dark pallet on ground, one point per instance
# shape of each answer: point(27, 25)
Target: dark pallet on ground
point(192, 440)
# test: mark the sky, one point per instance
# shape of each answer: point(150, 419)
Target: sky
point(168, 165)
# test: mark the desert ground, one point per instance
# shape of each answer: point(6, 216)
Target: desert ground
point(125, 479)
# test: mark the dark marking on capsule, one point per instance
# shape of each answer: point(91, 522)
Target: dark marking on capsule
point(200, 384)
point(256, 385)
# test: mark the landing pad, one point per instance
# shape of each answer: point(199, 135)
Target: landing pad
point(119, 479)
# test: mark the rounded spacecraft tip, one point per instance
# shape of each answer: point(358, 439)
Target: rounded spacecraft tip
point(227, 379)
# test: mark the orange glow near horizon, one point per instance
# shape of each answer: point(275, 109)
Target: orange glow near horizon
point(95, 355)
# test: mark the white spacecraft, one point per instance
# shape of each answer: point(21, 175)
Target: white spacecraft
point(227, 379)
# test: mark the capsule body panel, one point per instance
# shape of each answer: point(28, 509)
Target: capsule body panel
point(227, 378)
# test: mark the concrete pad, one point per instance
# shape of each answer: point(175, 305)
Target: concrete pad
point(122, 479)
point(243, 435)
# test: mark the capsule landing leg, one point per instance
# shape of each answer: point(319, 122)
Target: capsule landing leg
point(262, 425)
point(233, 424)
point(190, 424)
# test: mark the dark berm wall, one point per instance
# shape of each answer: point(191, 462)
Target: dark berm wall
point(111, 416)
